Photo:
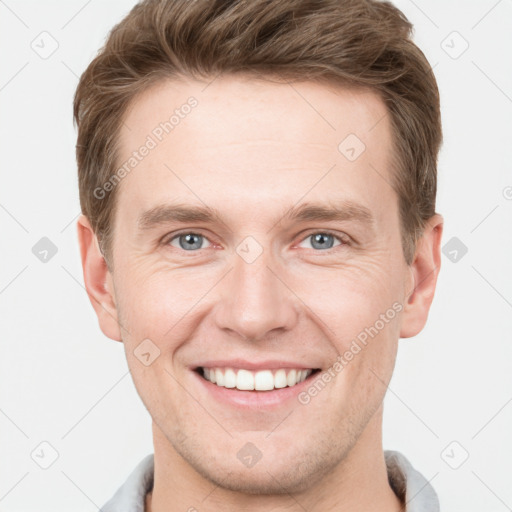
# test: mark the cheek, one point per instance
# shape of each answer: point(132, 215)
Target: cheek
point(155, 302)
point(349, 297)
point(360, 311)
point(160, 311)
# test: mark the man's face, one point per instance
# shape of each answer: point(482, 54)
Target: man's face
point(258, 286)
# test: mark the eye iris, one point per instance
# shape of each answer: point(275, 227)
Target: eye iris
point(192, 241)
point(320, 239)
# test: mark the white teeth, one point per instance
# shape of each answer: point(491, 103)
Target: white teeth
point(263, 380)
point(219, 377)
point(244, 380)
point(291, 378)
point(229, 378)
point(280, 379)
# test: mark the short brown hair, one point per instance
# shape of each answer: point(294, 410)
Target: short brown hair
point(361, 43)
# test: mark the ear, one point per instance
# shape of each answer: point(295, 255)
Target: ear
point(98, 280)
point(424, 271)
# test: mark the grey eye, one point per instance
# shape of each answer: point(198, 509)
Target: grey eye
point(189, 241)
point(321, 241)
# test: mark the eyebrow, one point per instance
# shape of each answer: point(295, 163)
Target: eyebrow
point(345, 210)
point(341, 211)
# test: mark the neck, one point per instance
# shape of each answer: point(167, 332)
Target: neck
point(358, 483)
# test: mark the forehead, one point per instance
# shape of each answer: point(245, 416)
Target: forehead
point(241, 141)
point(236, 108)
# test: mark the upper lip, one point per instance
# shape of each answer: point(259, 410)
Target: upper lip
point(252, 365)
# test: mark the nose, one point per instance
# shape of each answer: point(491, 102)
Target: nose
point(256, 302)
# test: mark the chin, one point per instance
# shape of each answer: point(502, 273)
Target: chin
point(263, 480)
point(277, 472)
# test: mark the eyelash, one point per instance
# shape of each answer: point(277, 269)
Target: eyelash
point(343, 239)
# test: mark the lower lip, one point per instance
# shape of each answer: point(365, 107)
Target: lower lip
point(255, 399)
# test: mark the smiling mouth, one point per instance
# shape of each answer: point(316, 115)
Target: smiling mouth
point(262, 380)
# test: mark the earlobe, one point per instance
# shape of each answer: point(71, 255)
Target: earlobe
point(424, 271)
point(98, 280)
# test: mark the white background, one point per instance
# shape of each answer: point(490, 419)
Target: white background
point(64, 382)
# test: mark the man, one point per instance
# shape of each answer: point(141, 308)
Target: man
point(258, 183)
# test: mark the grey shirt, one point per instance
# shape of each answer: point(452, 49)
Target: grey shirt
point(408, 484)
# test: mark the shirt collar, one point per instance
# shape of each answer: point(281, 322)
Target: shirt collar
point(409, 484)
